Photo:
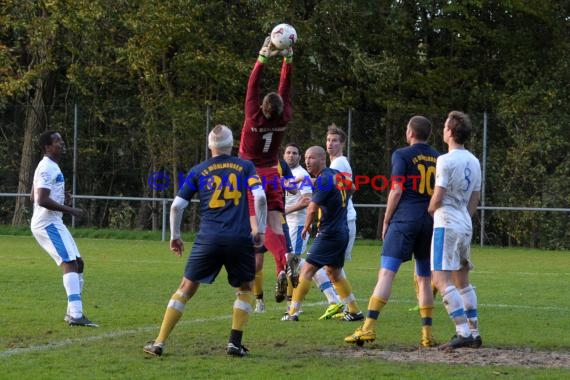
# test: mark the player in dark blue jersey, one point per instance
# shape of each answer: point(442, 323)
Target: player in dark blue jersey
point(224, 239)
point(406, 229)
point(330, 200)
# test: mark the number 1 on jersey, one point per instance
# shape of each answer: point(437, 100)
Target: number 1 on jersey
point(268, 137)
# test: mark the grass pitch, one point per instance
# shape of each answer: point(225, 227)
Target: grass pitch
point(523, 307)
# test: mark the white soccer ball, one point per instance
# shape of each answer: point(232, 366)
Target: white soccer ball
point(283, 36)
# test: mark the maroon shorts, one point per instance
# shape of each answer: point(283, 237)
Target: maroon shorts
point(271, 181)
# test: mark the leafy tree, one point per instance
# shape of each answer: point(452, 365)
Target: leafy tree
point(149, 78)
point(31, 34)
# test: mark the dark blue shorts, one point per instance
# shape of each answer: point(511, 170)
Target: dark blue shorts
point(406, 238)
point(208, 256)
point(328, 250)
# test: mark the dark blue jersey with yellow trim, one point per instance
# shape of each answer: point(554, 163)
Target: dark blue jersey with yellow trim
point(414, 167)
point(332, 201)
point(222, 183)
point(284, 169)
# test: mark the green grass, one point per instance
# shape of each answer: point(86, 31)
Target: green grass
point(523, 302)
point(94, 233)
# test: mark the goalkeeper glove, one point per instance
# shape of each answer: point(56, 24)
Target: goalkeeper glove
point(267, 50)
point(287, 54)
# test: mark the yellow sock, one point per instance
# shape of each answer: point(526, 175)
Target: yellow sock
point(299, 294)
point(172, 315)
point(258, 284)
point(426, 315)
point(375, 304)
point(344, 291)
point(289, 288)
point(242, 309)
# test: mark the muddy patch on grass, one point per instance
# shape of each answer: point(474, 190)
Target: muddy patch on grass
point(524, 357)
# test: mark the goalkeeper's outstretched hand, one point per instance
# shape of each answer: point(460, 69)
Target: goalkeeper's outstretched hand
point(267, 49)
point(287, 53)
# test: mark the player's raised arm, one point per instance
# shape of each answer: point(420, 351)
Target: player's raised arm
point(285, 83)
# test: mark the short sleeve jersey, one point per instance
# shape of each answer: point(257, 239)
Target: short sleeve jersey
point(48, 175)
point(414, 168)
point(341, 164)
point(332, 202)
point(459, 173)
point(222, 183)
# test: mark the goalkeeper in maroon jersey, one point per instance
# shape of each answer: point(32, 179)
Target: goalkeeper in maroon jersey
point(264, 127)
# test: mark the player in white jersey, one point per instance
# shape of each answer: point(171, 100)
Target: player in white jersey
point(336, 140)
point(455, 199)
point(296, 204)
point(50, 202)
point(298, 192)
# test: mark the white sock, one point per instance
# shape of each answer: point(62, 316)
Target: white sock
point(73, 291)
point(454, 305)
point(470, 301)
point(81, 282)
point(349, 299)
point(325, 285)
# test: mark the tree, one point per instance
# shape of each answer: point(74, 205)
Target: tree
point(31, 33)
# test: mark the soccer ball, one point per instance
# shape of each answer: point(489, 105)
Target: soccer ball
point(283, 36)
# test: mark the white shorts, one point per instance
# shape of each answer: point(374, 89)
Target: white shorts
point(58, 242)
point(450, 250)
point(351, 238)
point(297, 243)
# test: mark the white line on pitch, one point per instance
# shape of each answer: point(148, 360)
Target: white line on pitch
point(120, 333)
point(95, 338)
point(110, 335)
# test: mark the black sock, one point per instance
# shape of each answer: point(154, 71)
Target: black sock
point(235, 337)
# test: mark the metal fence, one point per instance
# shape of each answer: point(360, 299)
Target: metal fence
point(163, 204)
point(113, 161)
